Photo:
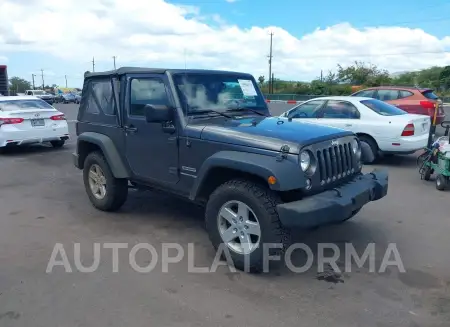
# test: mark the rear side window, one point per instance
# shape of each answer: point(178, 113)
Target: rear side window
point(383, 108)
point(404, 94)
point(387, 95)
point(429, 94)
point(365, 93)
point(97, 104)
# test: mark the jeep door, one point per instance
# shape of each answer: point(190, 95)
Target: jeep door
point(152, 151)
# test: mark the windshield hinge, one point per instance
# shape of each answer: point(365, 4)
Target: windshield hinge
point(284, 151)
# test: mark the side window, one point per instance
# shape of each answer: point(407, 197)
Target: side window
point(29, 93)
point(103, 93)
point(306, 110)
point(336, 109)
point(146, 91)
point(404, 94)
point(365, 93)
point(387, 95)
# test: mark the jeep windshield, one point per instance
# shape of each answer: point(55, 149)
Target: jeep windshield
point(203, 93)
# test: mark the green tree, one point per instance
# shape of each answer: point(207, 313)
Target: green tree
point(361, 73)
point(444, 77)
point(19, 85)
point(261, 80)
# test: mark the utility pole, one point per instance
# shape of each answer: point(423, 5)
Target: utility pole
point(32, 77)
point(321, 75)
point(270, 63)
point(114, 58)
point(65, 76)
point(42, 75)
point(93, 64)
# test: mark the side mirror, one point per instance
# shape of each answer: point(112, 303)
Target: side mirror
point(157, 114)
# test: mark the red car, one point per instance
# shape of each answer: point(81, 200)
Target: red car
point(412, 100)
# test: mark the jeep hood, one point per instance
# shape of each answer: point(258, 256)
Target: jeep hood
point(270, 133)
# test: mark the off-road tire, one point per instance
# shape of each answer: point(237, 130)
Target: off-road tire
point(263, 202)
point(427, 173)
point(58, 144)
point(116, 189)
point(441, 182)
point(373, 147)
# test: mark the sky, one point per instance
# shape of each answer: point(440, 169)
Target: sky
point(62, 37)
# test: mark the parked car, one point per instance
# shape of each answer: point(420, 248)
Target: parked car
point(382, 128)
point(421, 101)
point(258, 176)
point(47, 97)
point(69, 98)
point(77, 97)
point(26, 120)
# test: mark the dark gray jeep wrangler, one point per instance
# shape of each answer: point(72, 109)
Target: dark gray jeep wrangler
point(208, 136)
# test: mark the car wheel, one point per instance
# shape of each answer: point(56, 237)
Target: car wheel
point(441, 182)
point(105, 192)
point(241, 217)
point(427, 173)
point(58, 144)
point(369, 149)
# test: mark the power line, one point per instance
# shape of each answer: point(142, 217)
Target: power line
point(371, 54)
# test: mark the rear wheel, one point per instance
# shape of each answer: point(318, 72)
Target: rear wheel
point(427, 173)
point(241, 217)
point(441, 182)
point(105, 192)
point(58, 144)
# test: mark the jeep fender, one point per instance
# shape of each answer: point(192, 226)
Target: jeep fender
point(288, 174)
point(112, 156)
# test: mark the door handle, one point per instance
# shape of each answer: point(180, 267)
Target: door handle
point(130, 129)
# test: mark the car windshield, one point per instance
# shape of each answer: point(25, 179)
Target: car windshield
point(383, 108)
point(203, 92)
point(12, 105)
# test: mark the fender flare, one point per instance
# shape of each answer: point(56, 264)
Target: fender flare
point(112, 156)
point(288, 174)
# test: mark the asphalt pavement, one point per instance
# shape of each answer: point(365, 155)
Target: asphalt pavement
point(43, 202)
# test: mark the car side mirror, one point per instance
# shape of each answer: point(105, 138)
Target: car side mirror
point(157, 114)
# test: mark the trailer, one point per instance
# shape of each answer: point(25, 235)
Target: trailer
point(4, 89)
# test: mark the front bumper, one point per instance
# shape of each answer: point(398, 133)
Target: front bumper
point(334, 205)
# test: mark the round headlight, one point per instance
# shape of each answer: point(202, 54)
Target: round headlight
point(356, 147)
point(305, 160)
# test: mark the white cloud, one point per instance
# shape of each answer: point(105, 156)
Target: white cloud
point(156, 33)
point(230, 1)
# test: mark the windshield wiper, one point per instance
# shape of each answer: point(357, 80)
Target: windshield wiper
point(209, 111)
point(249, 109)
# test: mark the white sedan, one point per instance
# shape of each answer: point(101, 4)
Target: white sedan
point(382, 128)
point(27, 120)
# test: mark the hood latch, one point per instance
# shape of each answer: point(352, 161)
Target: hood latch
point(284, 150)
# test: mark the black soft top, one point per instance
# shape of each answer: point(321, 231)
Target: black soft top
point(141, 70)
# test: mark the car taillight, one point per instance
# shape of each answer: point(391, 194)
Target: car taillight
point(408, 130)
point(429, 106)
point(10, 121)
point(58, 117)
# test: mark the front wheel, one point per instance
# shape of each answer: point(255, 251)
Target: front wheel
point(105, 192)
point(241, 216)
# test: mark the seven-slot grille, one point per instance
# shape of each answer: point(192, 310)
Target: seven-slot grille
point(335, 162)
